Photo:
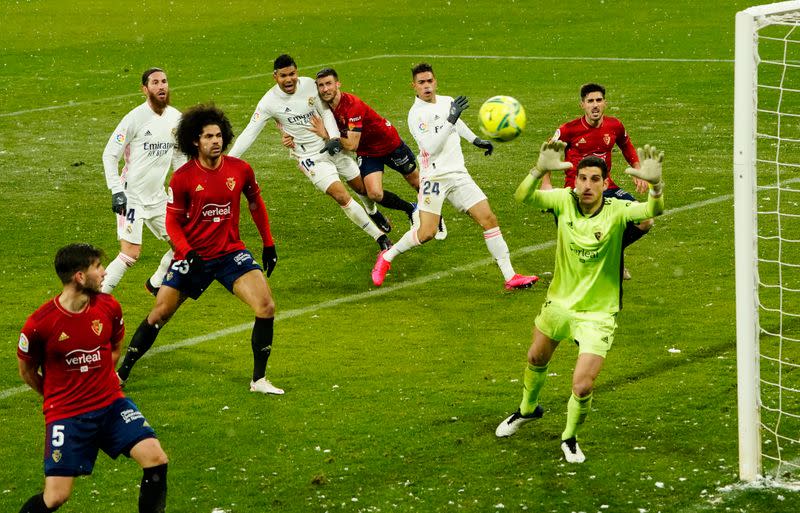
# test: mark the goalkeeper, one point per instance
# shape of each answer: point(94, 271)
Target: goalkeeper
point(584, 297)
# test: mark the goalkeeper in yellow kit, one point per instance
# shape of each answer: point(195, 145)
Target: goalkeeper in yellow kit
point(584, 297)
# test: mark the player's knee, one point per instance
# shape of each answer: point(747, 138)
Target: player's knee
point(426, 233)
point(375, 195)
point(582, 387)
point(130, 255)
point(56, 497)
point(266, 309)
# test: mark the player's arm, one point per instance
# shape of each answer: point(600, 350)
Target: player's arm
point(466, 133)
point(175, 219)
point(629, 152)
point(251, 131)
point(549, 159)
point(650, 171)
point(117, 333)
point(112, 154)
point(29, 372)
point(351, 140)
point(258, 211)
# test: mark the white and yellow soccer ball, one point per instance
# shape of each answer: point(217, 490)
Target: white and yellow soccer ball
point(502, 118)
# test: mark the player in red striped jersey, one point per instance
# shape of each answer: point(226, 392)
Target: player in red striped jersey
point(203, 224)
point(67, 351)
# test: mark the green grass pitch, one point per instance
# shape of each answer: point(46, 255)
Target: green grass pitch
point(392, 395)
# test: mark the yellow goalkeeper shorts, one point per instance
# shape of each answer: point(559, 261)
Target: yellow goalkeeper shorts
point(593, 332)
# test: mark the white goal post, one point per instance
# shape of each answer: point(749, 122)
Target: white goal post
point(766, 169)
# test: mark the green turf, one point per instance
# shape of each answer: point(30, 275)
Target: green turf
point(392, 397)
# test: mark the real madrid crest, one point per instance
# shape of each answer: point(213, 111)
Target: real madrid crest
point(311, 100)
point(230, 182)
point(97, 327)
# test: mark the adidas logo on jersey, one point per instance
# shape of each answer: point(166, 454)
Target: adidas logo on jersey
point(287, 110)
point(63, 337)
point(147, 133)
point(198, 188)
point(582, 141)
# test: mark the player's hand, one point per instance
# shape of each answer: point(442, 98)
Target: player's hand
point(269, 258)
point(484, 145)
point(332, 146)
point(457, 106)
point(641, 185)
point(119, 203)
point(193, 261)
point(550, 159)
point(287, 140)
point(651, 163)
point(318, 127)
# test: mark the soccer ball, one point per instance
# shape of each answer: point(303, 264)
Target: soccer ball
point(502, 118)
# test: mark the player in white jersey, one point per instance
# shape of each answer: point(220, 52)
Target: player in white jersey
point(146, 139)
point(434, 123)
point(292, 102)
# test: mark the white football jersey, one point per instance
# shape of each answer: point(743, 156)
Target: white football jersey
point(147, 142)
point(439, 142)
point(293, 112)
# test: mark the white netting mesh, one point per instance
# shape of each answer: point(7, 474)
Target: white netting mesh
point(778, 252)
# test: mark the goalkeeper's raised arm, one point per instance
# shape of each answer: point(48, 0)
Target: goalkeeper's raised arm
point(549, 159)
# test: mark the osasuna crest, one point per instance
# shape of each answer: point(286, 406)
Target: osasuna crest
point(97, 327)
point(597, 235)
point(231, 183)
point(56, 455)
point(607, 139)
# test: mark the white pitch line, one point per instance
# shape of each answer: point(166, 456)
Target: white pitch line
point(289, 314)
point(372, 58)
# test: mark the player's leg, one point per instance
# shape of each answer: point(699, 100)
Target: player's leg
point(57, 490)
point(371, 169)
point(157, 226)
point(594, 334)
point(551, 326)
point(356, 212)
point(481, 213)
point(153, 487)
point(359, 185)
point(252, 288)
point(429, 216)
point(129, 233)
point(168, 301)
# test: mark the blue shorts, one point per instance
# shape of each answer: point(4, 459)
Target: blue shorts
point(402, 160)
point(225, 269)
point(632, 232)
point(71, 444)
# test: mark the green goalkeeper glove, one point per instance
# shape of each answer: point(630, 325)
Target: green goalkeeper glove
point(549, 159)
point(650, 171)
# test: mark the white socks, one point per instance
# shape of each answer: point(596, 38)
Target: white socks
point(115, 271)
point(358, 215)
point(499, 250)
point(408, 241)
point(163, 266)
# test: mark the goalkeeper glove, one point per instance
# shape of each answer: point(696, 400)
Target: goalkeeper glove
point(119, 203)
point(270, 259)
point(194, 262)
point(550, 159)
point(484, 145)
point(650, 170)
point(332, 146)
point(457, 106)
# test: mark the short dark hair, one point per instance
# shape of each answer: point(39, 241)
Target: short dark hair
point(422, 67)
point(148, 72)
point(283, 61)
point(593, 161)
point(75, 257)
point(328, 72)
point(591, 87)
point(194, 119)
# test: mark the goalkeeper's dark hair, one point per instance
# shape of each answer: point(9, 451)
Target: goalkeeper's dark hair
point(283, 61)
point(75, 257)
point(422, 67)
point(148, 72)
point(328, 72)
point(193, 120)
point(591, 87)
point(593, 161)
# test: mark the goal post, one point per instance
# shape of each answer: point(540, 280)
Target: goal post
point(766, 163)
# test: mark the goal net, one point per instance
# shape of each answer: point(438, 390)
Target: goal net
point(767, 239)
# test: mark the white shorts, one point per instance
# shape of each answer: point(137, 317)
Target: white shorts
point(129, 226)
point(461, 190)
point(324, 170)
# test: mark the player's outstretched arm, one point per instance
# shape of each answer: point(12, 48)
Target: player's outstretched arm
point(651, 168)
point(29, 372)
point(549, 159)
